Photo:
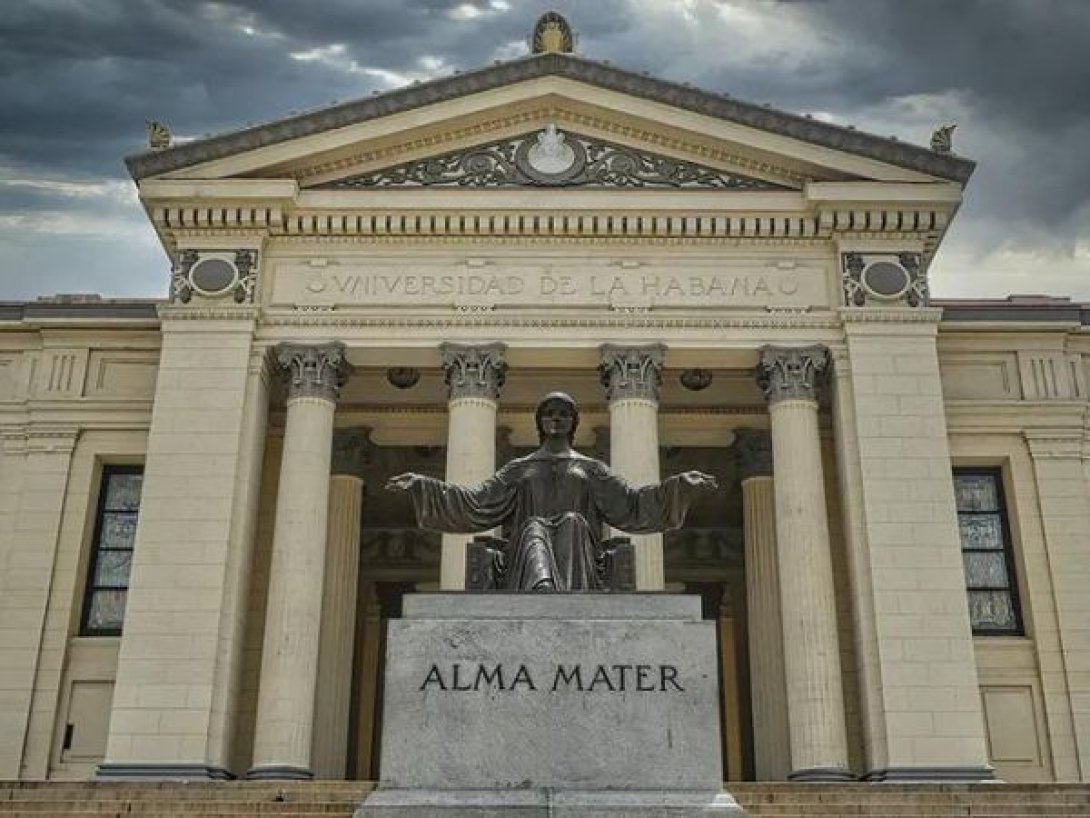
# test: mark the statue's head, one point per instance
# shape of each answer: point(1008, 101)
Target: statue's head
point(553, 400)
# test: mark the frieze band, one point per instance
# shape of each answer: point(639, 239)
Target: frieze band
point(474, 370)
point(313, 370)
point(791, 373)
point(632, 372)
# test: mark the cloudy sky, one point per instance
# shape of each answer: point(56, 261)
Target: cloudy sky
point(79, 77)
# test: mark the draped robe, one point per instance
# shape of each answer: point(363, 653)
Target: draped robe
point(552, 509)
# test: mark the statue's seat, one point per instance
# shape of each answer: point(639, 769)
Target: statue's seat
point(486, 564)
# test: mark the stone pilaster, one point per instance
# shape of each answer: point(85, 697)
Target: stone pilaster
point(36, 462)
point(475, 376)
point(771, 739)
point(919, 690)
point(632, 376)
point(289, 660)
point(179, 661)
point(789, 378)
point(1065, 515)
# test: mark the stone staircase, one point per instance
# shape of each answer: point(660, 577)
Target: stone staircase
point(117, 799)
point(913, 800)
point(338, 799)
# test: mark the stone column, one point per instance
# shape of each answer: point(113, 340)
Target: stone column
point(367, 667)
point(289, 660)
point(342, 557)
point(771, 740)
point(731, 694)
point(631, 376)
point(815, 698)
point(474, 376)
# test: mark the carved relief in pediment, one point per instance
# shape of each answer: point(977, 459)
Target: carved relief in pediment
point(552, 158)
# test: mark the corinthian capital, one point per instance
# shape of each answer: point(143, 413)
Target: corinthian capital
point(313, 370)
point(474, 370)
point(791, 373)
point(632, 372)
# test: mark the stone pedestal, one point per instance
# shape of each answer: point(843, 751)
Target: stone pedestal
point(573, 704)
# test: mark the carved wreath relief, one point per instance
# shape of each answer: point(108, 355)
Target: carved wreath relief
point(214, 274)
point(884, 279)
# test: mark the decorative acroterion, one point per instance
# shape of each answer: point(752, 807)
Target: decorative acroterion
point(942, 140)
point(552, 35)
point(159, 137)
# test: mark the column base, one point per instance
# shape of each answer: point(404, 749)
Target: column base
point(279, 772)
point(821, 774)
point(930, 775)
point(109, 771)
point(547, 803)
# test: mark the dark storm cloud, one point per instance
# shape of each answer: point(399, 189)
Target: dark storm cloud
point(78, 79)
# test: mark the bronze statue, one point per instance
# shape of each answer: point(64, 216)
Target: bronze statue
point(553, 505)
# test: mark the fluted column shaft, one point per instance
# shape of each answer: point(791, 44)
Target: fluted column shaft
point(333, 699)
point(474, 376)
point(631, 376)
point(815, 699)
point(289, 660)
point(771, 738)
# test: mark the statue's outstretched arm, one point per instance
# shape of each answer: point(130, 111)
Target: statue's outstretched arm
point(454, 509)
point(651, 509)
point(403, 482)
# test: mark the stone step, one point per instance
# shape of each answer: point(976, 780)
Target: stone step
point(335, 799)
point(197, 791)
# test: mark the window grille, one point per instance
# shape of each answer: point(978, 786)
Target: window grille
point(986, 552)
point(111, 555)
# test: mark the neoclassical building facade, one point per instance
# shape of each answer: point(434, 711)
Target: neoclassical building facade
point(198, 554)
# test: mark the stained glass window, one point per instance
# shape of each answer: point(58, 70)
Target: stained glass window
point(111, 557)
point(986, 552)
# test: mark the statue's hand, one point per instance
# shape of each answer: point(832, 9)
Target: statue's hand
point(699, 480)
point(403, 482)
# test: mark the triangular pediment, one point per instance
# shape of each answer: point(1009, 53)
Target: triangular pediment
point(418, 135)
point(552, 158)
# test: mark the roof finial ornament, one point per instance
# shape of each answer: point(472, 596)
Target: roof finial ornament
point(942, 140)
point(552, 35)
point(158, 135)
